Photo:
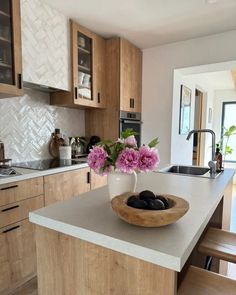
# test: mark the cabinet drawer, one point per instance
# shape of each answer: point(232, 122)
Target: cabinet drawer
point(17, 254)
point(15, 212)
point(20, 190)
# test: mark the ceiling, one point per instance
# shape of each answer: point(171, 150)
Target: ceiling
point(222, 80)
point(147, 23)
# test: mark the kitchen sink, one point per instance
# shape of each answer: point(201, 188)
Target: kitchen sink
point(190, 171)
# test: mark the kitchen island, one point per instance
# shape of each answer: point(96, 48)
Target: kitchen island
point(84, 248)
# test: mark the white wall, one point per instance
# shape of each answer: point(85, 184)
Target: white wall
point(158, 66)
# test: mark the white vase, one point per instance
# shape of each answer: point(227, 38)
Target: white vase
point(119, 183)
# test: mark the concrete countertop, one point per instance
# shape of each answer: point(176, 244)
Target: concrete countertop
point(26, 173)
point(90, 218)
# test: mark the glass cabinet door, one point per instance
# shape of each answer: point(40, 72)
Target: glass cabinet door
point(7, 75)
point(84, 44)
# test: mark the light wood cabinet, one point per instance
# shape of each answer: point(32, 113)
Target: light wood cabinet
point(130, 77)
point(20, 190)
point(88, 71)
point(10, 49)
point(63, 186)
point(14, 212)
point(123, 89)
point(17, 255)
point(97, 180)
point(17, 241)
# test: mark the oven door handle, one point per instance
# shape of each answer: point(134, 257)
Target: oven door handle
point(131, 122)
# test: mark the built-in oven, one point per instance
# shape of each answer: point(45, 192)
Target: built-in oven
point(131, 120)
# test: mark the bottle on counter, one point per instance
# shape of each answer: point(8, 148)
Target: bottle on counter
point(55, 142)
point(218, 158)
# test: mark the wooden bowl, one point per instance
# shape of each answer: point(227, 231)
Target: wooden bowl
point(149, 218)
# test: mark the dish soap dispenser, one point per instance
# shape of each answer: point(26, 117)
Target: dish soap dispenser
point(218, 158)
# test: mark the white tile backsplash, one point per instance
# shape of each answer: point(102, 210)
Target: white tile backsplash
point(26, 124)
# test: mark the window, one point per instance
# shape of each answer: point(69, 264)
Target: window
point(229, 119)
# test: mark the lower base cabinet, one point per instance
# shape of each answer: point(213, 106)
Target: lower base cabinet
point(66, 185)
point(17, 255)
point(97, 180)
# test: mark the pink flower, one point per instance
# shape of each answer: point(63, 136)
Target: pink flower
point(130, 141)
point(127, 160)
point(97, 158)
point(148, 159)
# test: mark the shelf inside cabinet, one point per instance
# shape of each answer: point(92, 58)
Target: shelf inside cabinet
point(5, 40)
point(3, 13)
point(5, 65)
point(84, 50)
point(84, 68)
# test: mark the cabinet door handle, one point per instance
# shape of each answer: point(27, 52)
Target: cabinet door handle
point(76, 92)
point(131, 103)
point(99, 98)
point(88, 177)
point(20, 81)
point(10, 208)
point(10, 229)
point(9, 187)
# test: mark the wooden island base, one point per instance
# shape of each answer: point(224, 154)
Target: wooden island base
point(70, 266)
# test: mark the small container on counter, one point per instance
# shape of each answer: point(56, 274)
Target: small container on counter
point(65, 152)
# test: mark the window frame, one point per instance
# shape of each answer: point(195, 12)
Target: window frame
point(224, 103)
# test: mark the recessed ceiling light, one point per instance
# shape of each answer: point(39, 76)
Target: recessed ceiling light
point(211, 1)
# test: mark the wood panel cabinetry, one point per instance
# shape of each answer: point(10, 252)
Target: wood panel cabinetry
point(130, 77)
point(123, 89)
point(17, 241)
point(66, 185)
point(88, 71)
point(18, 255)
point(97, 180)
point(10, 49)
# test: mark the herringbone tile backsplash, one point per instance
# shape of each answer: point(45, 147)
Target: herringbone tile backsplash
point(26, 124)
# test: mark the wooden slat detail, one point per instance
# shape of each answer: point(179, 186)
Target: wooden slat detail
point(67, 265)
point(201, 282)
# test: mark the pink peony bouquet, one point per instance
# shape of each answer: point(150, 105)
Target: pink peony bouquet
point(124, 155)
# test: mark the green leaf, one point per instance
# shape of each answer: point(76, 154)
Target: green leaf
point(153, 143)
point(104, 142)
point(228, 150)
point(128, 132)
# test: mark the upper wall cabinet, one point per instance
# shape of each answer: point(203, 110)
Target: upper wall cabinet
point(88, 71)
point(45, 45)
point(130, 77)
point(10, 49)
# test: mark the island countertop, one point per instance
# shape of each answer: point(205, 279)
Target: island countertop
point(90, 217)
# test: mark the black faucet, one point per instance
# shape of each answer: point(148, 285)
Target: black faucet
point(212, 163)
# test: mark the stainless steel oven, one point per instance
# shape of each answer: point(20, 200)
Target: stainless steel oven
point(131, 120)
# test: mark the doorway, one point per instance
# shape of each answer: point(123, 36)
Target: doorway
point(197, 125)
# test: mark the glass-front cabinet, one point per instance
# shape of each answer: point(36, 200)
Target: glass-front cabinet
point(10, 49)
point(84, 47)
point(88, 59)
